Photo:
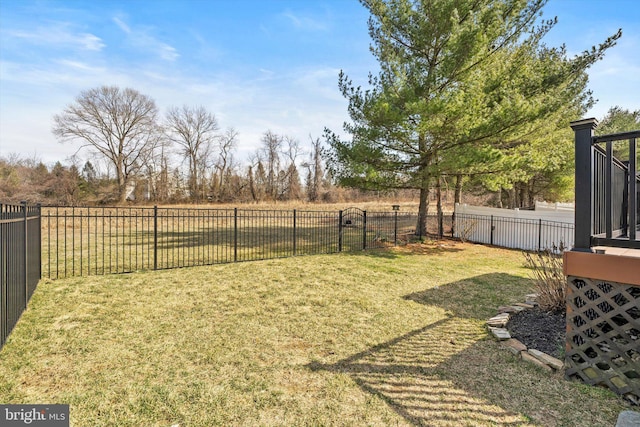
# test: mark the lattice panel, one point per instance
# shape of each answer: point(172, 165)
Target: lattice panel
point(603, 334)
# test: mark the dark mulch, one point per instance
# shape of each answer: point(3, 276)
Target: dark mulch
point(540, 330)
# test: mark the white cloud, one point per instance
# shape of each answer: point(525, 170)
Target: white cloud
point(321, 82)
point(59, 34)
point(120, 23)
point(266, 73)
point(91, 42)
point(142, 39)
point(168, 53)
point(80, 66)
point(61, 75)
point(206, 51)
point(306, 23)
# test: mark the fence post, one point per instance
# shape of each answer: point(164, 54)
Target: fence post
point(39, 228)
point(608, 196)
point(395, 228)
point(340, 231)
point(2, 276)
point(584, 131)
point(294, 232)
point(453, 224)
point(26, 253)
point(73, 241)
point(364, 230)
point(155, 237)
point(633, 190)
point(625, 203)
point(492, 228)
point(539, 234)
point(235, 234)
point(440, 225)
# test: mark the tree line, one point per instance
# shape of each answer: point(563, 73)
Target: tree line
point(227, 181)
point(185, 159)
point(123, 129)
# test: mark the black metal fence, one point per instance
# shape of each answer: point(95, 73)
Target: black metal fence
point(78, 241)
point(19, 261)
point(93, 241)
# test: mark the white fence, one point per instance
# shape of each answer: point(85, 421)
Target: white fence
point(556, 207)
point(546, 228)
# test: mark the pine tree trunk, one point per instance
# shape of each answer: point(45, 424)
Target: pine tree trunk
point(439, 206)
point(423, 209)
point(458, 191)
point(512, 198)
point(530, 192)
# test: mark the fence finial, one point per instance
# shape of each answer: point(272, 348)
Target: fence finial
point(590, 123)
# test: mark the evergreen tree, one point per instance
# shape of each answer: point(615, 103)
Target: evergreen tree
point(460, 83)
point(619, 120)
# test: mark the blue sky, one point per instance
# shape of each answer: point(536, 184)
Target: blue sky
point(258, 65)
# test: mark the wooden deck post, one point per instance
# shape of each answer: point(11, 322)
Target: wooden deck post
point(584, 132)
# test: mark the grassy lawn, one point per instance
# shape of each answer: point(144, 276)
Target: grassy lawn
point(378, 338)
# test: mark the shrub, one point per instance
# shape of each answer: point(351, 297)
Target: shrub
point(550, 282)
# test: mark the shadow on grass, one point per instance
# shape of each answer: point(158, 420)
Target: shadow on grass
point(405, 372)
point(449, 373)
point(476, 297)
point(390, 251)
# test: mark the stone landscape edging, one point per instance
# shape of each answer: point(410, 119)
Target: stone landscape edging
point(497, 326)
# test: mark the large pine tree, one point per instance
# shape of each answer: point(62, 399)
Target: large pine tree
point(459, 83)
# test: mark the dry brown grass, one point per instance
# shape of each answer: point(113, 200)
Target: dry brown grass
point(379, 205)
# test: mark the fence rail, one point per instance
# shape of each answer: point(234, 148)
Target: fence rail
point(19, 261)
point(93, 241)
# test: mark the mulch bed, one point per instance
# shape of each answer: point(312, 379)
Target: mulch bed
point(540, 330)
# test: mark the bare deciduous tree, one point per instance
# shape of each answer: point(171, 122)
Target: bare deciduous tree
point(271, 147)
point(290, 186)
point(314, 171)
point(193, 129)
point(257, 177)
point(225, 161)
point(120, 124)
point(156, 172)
